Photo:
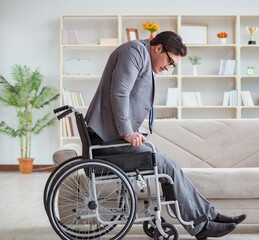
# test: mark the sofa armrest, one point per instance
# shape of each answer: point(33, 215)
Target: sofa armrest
point(66, 152)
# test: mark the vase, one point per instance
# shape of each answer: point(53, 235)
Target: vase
point(151, 36)
point(195, 70)
point(223, 40)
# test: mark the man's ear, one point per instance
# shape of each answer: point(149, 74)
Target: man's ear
point(158, 48)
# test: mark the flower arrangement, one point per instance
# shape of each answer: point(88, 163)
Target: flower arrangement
point(222, 35)
point(151, 27)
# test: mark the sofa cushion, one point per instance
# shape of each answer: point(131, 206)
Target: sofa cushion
point(225, 183)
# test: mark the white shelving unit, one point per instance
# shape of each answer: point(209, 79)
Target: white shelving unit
point(88, 31)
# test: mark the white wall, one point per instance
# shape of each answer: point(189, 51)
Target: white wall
point(29, 35)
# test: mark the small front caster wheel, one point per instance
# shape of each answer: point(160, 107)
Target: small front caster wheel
point(170, 229)
point(148, 229)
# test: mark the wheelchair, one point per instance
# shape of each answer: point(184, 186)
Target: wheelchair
point(94, 197)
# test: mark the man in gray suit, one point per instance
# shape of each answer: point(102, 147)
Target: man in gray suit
point(125, 97)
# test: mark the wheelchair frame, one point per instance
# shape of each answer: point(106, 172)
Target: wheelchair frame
point(110, 219)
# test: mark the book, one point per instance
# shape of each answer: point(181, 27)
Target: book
point(233, 98)
point(172, 97)
point(65, 37)
point(230, 98)
point(191, 99)
point(73, 98)
point(64, 128)
point(222, 66)
point(69, 126)
point(247, 98)
point(78, 37)
point(71, 36)
point(225, 99)
point(81, 99)
point(199, 100)
point(227, 67)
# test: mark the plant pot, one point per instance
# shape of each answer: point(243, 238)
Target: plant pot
point(223, 40)
point(25, 165)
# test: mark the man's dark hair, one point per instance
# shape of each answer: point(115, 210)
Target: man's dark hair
point(171, 42)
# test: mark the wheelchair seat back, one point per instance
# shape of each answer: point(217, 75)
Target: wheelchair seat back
point(84, 135)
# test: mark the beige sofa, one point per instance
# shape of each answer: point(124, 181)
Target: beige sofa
point(220, 157)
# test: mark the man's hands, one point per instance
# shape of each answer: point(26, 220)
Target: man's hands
point(136, 139)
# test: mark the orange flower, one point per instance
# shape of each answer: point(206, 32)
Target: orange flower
point(222, 35)
point(151, 27)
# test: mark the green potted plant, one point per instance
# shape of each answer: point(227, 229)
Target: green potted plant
point(27, 97)
point(195, 60)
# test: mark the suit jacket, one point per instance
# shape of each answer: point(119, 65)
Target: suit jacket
point(125, 93)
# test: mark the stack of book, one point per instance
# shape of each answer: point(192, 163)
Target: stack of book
point(191, 99)
point(71, 37)
point(73, 98)
point(230, 98)
point(227, 67)
point(247, 98)
point(67, 126)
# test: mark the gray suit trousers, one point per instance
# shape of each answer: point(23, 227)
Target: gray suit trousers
point(191, 203)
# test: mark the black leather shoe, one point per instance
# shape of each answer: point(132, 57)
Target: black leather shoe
point(225, 219)
point(214, 229)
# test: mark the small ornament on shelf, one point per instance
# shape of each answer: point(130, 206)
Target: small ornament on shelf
point(151, 27)
point(250, 70)
point(222, 37)
point(252, 31)
point(195, 60)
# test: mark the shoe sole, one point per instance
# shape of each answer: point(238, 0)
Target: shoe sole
point(241, 219)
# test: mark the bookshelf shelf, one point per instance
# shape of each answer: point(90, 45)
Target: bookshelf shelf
point(88, 46)
point(80, 77)
point(211, 107)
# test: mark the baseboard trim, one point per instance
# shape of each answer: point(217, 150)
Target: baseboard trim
point(36, 168)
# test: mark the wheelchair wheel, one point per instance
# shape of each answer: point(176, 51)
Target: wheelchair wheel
point(91, 199)
point(148, 229)
point(54, 174)
point(170, 229)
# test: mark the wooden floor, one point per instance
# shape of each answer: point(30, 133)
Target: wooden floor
point(22, 215)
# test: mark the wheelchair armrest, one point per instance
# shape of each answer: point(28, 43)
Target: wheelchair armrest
point(113, 142)
point(102, 146)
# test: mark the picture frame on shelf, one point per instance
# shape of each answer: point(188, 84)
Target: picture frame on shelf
point(194, 34)
point(132, 34)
